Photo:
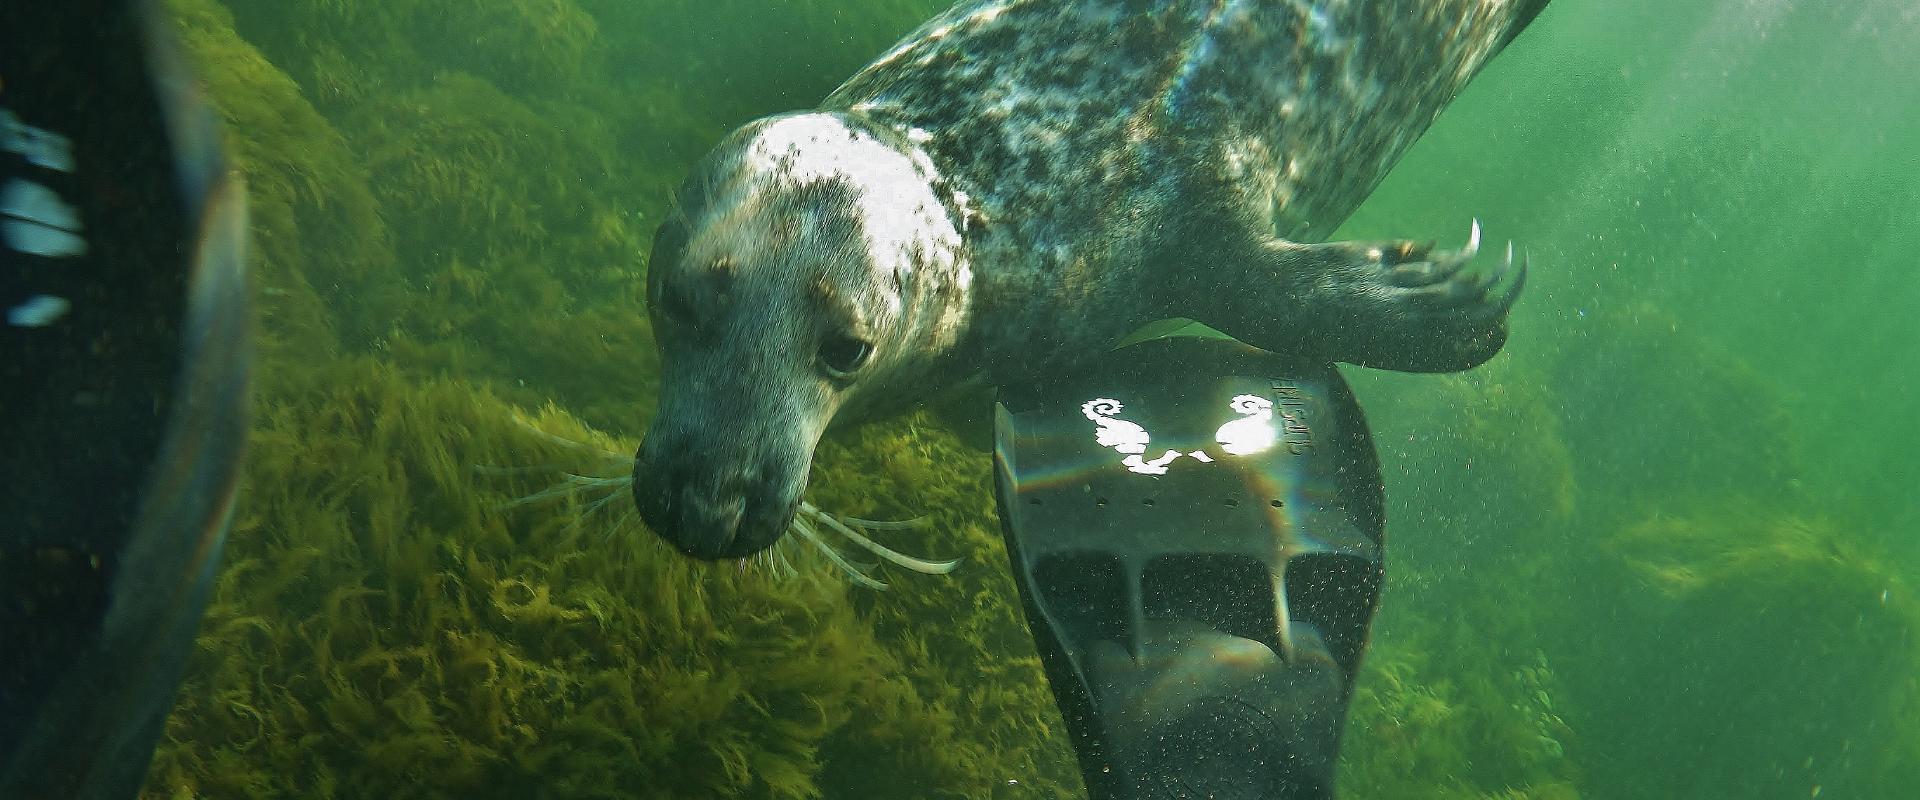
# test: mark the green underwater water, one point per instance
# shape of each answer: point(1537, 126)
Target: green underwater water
point(1659, 548)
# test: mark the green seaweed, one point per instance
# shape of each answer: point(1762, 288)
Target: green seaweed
point(1477, 466)
point(391, 624)
point(435, 156)
point(381, 631)
point(348, 52)
point(317, 234)
point(970, 661)
point(1436, 717)
point(1700, 421)
point(527, 46)
point(1785, 636)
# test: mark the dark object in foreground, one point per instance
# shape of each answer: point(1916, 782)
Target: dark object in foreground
point(123, 375)
point(1196, 529)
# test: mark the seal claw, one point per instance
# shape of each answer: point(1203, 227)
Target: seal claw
point(1513, 290)
point(1492, 309)
point(1418, 267)
point(1405, 307)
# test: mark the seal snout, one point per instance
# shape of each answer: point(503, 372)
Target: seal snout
point(709, 510)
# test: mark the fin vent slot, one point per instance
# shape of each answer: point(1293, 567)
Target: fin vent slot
point(1230, 593)
point(1086, 595)
point(1337, 594)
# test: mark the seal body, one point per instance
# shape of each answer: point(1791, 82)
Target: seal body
point(1021, 182)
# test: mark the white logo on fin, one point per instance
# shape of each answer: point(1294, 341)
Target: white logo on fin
point(38, 222)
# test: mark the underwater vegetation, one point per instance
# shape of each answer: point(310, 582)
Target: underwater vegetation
point(1430, 711)
point(1787, 652)
point(967, 627)
point(1602, 582)
point(347, 52)
point(790, 54)
point(1458, 698)
point(381, 632)
point(1652, 603)
point(318, 238)
point(1746, 637)
point(392, 624)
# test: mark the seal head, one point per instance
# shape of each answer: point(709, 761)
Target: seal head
point(812, 262)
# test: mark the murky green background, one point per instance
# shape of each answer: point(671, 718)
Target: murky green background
point(1658, 549)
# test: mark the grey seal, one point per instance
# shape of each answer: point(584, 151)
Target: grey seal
point(1019, 183)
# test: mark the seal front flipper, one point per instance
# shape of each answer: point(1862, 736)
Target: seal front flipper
point(1395, 305)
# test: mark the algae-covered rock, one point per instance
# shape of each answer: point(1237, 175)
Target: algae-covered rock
point(317, 235)
point(521, 257)
point(1437, 716)
point(469, 171)
point(746, 58)
point(1746, 651)
point(341, 51)
point(1651, 411)
point(988, 725)
point(524, 45)
point(382, 630)
point(1761, 655)
point(391, 623)
point(349, 51)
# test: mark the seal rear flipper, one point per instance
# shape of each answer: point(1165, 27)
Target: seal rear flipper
point(1395, 305)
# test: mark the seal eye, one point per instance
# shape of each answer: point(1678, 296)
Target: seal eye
point(841, 355)
point(678, 310)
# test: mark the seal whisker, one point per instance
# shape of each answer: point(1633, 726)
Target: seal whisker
point(599, 504)
point(508, 472)
point(677, 210)
point(781, 561)
point(885, 525)
point(859, 576)
point(778, 563)
point(620, 522)
point(919, 565)
point(599, 492)
point(573, 484)
point(587, 483)
point(549, 493)
point(596, 488)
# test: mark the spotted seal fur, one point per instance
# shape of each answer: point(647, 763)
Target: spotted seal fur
point(1020, 182)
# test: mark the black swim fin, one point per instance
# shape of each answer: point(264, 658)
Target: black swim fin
point(1196, 530)
point(123, 383)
